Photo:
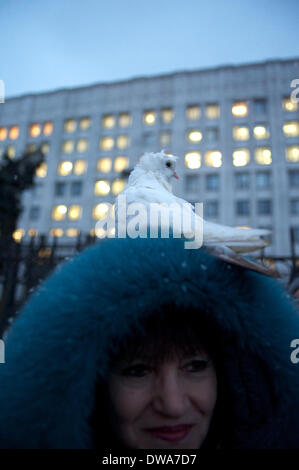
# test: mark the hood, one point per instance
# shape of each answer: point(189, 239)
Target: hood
point(57, 346)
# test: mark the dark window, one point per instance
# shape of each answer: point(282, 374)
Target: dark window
point(263, 179)
point(212, 182)
point(211, 209)
point(34, 212)
point(242, 207)
point(211, 134)
point(260, 106)
point(264, 207)
point(242, 180)
point(296, 234)
point(76, 188)
point(294, 206)
point(192, 183)
point(293, 178)
point(60, 188)
point(37, 190)
point(148, 138)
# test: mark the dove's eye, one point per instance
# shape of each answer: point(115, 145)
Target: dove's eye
point(168, 164)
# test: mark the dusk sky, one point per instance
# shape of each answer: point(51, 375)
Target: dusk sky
point(47, 45)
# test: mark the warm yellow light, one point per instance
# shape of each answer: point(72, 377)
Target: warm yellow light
point(41, 171)
point(263, 156)
point(102, 187)
point(118, 186)
point(241, 133)
point(149, 117)
point(14, 132)
point(100, 210)
point(291, 129)
point(213, 158)
point(124, 120)
point(193, 160)
point(45, 148)
point(167, 115)
point(292, 153)
point(18, 234)
point(30, 148)
point(67, 146)
point(65, 168)
point(80, 167)
point(100, 232)
point(240, 109)
point(59, 212)
point(241, 157)
point(108, 121)
point(48, 128)
point(193, 112)
point(194, 136)
point(82, 145)
point(111, 232)
point(72, 232)
point(32, 232)
point(122, 141)
point(212, 111)
point(106, 143)
point(165, 138)
point(121, 163)
point(75, 212)
point(261, 132)
point(289, 105)
point(85, 123)
point(70, 125)
point(35, 130)
point(56, 232)
point(3, 133)
point(104, 165)
point(11, 151)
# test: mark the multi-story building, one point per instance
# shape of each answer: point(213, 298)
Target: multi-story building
point(235, 128)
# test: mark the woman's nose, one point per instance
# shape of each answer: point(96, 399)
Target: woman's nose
point(169, 397)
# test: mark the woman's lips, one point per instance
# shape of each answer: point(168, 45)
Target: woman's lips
point(171, 433)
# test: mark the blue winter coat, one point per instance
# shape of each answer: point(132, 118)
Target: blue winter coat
point(58, 345)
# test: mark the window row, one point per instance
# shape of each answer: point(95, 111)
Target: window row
point(192, 183)
point(242, 208)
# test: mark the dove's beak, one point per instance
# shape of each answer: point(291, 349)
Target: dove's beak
point(175, 175)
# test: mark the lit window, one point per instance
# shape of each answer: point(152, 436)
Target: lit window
point(108, 121)
point(194, 136)
point(118, 186)
point(67, 146)
point(14, 132)
point(41, 171)
point(211, 209)
point(34, 130)
point(3, 133)
point(242, 207)
point(85, 123)
point(106, 143)
point(11, 151)
point(56, 232)
point(263, 180)
point(242, 180)
point(65, 168)
point(261, 132)
point(100, 232)
point(30, 148)
point(121, 163)
point(193, 160)
point(240, 109)
point(167, 115)
point(213, 158)
point(124, 120)
point(122, 141)
point(292, 153)
point(45, 148)
point(59, 212)
point(241, 157)
point(165, 138)
point(70, 125)
point(100, 211)
point(212, 182)
point(48, 128)
point(241, 133)
point(263, 156)
point(82, 145)
point(212, 111)
point(32, 232)
point(193, 112)
point(75, 212)
point(80, 167)
point(149, 117)
point(192, 183)
point(264, 207)
point(18, 234)
point(72, 232)
point(102, 187)
point(104, 165)
point(289, 105)
point(291, 129)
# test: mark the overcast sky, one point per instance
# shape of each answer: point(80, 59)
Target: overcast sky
point(50, 44)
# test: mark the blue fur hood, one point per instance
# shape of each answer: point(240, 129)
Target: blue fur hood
point(58, 345)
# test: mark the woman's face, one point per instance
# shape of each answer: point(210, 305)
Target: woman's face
point(167, 406)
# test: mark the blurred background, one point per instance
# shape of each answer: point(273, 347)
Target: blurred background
point(87, 87)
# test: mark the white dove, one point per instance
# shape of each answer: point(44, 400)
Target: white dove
point(149, 184)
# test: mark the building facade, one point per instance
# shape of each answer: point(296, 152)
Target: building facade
point(235, 129)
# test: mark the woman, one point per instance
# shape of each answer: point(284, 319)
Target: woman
point(144, 344)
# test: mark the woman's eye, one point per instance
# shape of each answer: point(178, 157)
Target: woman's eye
point(138, 370)
point(197, 365)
